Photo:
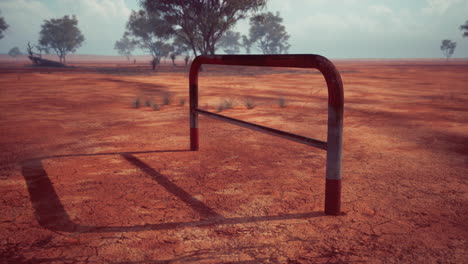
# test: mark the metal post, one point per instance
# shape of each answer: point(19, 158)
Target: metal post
point(334, 137)
point(334, 143)
point(193, 80)
point(333, 171)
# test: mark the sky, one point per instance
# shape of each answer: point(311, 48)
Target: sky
point(332, 28)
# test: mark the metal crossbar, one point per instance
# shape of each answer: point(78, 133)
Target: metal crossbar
point(334, 143)
point(267, 130)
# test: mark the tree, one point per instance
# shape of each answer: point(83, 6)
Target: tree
point(179, 45)
point(230, 42)
point(30, 50)
point(465, 28)
point(61, 35)
point(201, 23)
point(268, 34)
point(246, 43)
point(37, 59)
point(14, 52)
point(3, 26)
point(150, 33)
point(124, 47)
point(42, 49)
point(448, 47)
point(173, 57)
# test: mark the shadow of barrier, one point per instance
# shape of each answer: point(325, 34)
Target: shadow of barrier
point(51, 214)
point(334, 143)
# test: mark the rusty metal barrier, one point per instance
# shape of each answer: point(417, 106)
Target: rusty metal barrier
point(334, 143)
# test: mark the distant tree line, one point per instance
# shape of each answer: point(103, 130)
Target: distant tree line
point(168, 28)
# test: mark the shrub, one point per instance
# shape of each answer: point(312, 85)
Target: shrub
point(182, 101)
point(227, 104)
point(282, 102)
point(249, 103)
point(167, 97)
point(137, 103)
point(220, 107)
point(156, 107)
point(148, 103)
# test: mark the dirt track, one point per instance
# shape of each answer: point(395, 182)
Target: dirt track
point(87, 178)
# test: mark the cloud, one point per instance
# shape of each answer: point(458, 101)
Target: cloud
point(439, 7)
point(9, 7)
point(359, 30)
point(380, 10)
point(106, 10)
point(279, 5)
point(376, 20)
point(102, 22)
point(24, 18)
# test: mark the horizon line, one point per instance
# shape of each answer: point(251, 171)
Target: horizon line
point(333, 58)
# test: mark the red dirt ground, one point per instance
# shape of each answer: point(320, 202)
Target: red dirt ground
point(87, 178)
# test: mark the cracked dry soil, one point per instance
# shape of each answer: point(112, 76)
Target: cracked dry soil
point(86, 178)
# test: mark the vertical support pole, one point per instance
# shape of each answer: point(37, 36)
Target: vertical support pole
point(334, 135)
point(334, 153)
point(193, 94)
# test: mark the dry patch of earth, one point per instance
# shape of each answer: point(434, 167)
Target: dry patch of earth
point(87, 178)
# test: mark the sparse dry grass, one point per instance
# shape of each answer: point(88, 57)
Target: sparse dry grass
point(137, 103)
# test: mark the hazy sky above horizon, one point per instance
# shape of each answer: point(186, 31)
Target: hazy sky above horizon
point(335, 29)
